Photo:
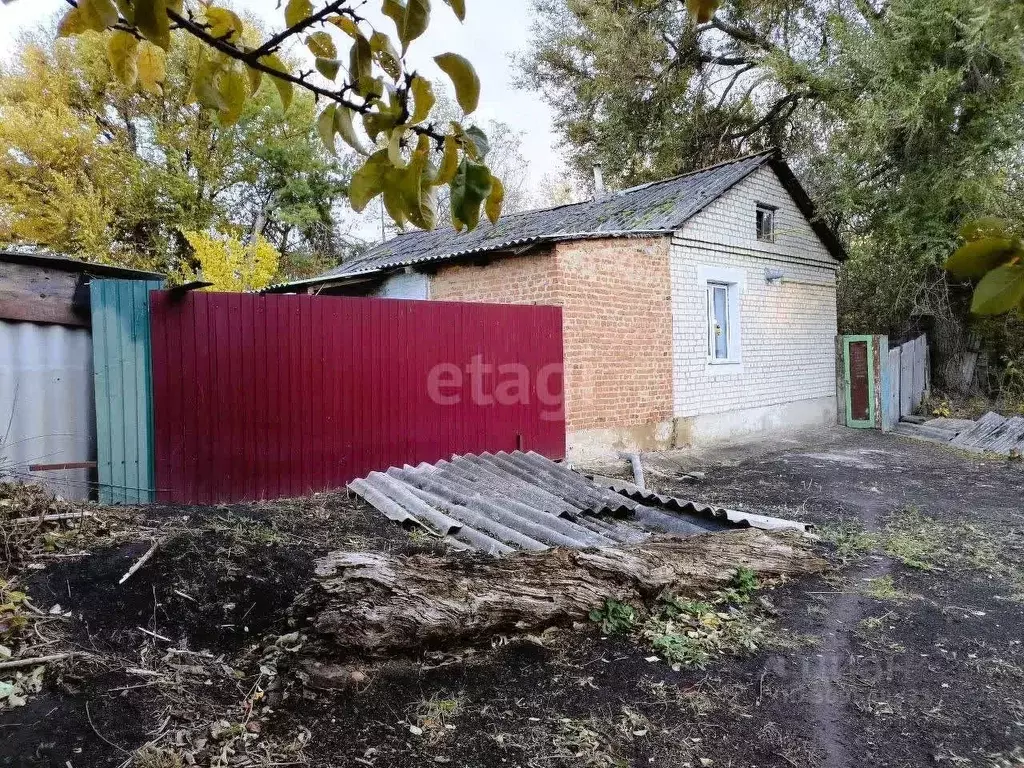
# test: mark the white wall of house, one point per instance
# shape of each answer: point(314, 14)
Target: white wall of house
point(405, 285)
point(780, 371)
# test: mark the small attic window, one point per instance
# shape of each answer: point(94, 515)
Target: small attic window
point(766, 223)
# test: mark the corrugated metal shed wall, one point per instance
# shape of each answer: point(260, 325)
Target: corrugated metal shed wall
point(270, 396)
point(124, 397)
point(46, 404)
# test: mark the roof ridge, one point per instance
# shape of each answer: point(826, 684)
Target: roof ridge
point(764, 152)
point(627, 190)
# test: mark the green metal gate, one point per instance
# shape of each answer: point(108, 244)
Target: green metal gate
point(124, 394)
point(859, 381)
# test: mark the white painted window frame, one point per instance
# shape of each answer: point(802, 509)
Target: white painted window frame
point(736, 282)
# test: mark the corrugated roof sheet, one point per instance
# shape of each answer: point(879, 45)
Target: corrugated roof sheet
point(658, 207)
point(678, 505)
point(499, 503)
point(992, 434)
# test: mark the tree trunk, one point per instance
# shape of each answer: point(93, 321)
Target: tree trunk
point(374, 603)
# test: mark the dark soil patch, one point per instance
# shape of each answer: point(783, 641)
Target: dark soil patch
point(54, 727)
point(202, 590)
point(927, 671)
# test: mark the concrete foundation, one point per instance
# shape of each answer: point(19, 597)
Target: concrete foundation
point(696, 431)
point(602, 446)
point(595, 447)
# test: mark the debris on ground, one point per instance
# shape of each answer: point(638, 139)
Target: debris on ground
point(991, 433)
point(503, 502)
point(905, 652)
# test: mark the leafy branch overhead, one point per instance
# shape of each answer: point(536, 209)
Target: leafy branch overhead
point(369, 96)
point(993, 254)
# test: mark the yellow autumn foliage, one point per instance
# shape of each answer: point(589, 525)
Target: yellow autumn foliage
point(230, 264)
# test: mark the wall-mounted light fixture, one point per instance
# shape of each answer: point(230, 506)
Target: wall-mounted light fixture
point(773, 276)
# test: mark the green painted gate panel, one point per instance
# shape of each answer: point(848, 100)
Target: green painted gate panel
point(124, 389)
point(859, 367)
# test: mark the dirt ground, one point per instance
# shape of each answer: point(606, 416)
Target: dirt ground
point(907, 653)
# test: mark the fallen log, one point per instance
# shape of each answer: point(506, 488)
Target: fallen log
point(374, 603)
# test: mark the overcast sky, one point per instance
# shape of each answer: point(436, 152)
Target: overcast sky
point(493, 29)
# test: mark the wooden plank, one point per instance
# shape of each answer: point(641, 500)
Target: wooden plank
point(38, 295)
point(65, 465)
point(893, 406)
point(906, 381)
point(34, 310)
point(917, 394)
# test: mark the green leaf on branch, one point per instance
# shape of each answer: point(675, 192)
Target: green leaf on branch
point(329, 68)
point(423, 99)
point(395, 147)
point(152, 21)
point(459, 6)
point(284, 87)
point(463, 77)
point(72, 23)
point(388, 58)
point(152, 67)
point(224, 24)
point(326, 126)
point(344, 125)
point(480, 145)
point(345, 24)
point(449, 162)
point(122, 53)
point(255, 78)
point(97, 15)
point(360, 67)
point(469, 189)
point(204, 85)
point(1001, 290)
point(369, 180)
point(411, 18)
point(321, 45)
point(234, 90)
point(297, 11)
point(419, 198)
point(984, 228)
point(978, 257)
point(495, 200)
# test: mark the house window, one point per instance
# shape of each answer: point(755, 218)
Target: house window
point(765, 223)
point(719, 327)
point(723, 288)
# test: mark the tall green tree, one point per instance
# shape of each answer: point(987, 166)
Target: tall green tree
point(904, 117)
point(120, 172)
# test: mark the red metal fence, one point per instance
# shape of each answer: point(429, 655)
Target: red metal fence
point(270, 396)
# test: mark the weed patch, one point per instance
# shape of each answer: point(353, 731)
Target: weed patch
point(614, 616)
point(692, 631)
point(884, 588)
point(927, 544)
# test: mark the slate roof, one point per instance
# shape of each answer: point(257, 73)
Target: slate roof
point(42, 259)
point(659, 207)
point(498, 503)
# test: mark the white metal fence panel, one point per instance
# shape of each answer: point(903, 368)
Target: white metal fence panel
point(906, 380)
point(892, 409)
point(46, 404)
point(909, 377)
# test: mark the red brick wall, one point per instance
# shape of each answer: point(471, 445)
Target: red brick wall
point(519, 280)
point(615, 294)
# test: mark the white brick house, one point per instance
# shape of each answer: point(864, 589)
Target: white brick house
point(696, 309)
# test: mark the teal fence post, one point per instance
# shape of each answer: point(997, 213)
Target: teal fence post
point(124, 389)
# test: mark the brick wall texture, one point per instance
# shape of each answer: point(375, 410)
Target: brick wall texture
point(635, 313)
point(615, 298)
point(787, 330)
